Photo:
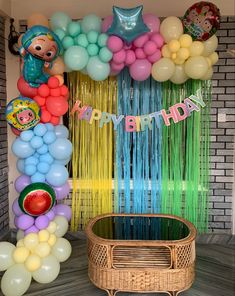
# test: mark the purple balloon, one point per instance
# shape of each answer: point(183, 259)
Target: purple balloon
point(16, 208)
point(50, 214)
point(63, 210)
point(24, 222)
point(42, 222)
point(62, 191)
point(21, 182)
point(32, 229)
point(16, 221)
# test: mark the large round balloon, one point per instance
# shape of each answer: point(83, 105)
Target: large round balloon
point(6, 259)
point(201, 20)
point(22, 113)
point(37, 199)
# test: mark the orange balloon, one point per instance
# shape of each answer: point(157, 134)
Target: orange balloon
point(57, 67)
point(60, 78)
point(36, 19)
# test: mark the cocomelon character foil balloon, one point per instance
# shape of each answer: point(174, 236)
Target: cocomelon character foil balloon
point(22, 113)
point(40, 47)
point(201, 20)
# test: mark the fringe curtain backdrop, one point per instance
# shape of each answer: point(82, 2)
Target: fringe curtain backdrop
point(92, 159)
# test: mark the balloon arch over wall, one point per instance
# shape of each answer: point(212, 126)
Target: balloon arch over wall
point(174, 50)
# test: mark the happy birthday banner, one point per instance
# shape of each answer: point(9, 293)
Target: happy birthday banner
point(177, 113)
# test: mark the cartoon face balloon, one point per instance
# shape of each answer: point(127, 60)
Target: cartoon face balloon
point(22, 113)
point(201, 20)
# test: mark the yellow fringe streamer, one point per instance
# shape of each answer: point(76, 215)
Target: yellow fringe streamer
point(93, 155)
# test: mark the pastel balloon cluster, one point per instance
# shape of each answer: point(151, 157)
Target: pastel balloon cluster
point(43, 153)
point(53, 100)
point(183, 58)
point(36, 256)
point(84, 45)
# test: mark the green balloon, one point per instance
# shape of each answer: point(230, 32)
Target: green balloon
point(60, 33)
point(74, 29)
point(92, 36)
point(97, 70)
point(105, 55)
point(76, 58)
point(67, 42)
point(81, 40)
point(92, 49)
point(102, 40)
point(60, 20)
point(91, 22)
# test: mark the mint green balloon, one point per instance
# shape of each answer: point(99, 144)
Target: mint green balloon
point(92, 49)
point(92, 36)
point(67, 42)
point(105, 55)
point(76, 58)
point(97, 70)
point(81, 40)
point(102, 40)
point(91, 22)
point(60, 20)
point(74, 29)
point(60, 33)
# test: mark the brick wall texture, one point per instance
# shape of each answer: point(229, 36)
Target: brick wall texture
point(4, 212)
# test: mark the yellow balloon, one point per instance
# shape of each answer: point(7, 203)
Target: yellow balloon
point(214, 58)
point(173, 56)
point(163, 69)
point(62, 249)
point(183, 53)
point(185, 40)
point(6, 259)
point(210, 46)
point(52, 240)
point(20, 254)
point(43, 235)
point(174, 45)
point(208, 74)
point(196, 67)
point(20, 243)
point(52, 227)
point(57, 68)
point(42, 249)
point(171, 28)
point(37, 19)
point(33, 262)
point(179, 75)
point(179, 61)
point(166, 51)
point(196, 48)
point(31, 241)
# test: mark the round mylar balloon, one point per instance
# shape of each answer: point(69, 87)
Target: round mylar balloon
point(201, 20)
point(22, 113)
point(37, 199)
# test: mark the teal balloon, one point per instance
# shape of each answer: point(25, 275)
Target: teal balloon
point(76, 57)
point(102, 40)
point(81, 40)
point(105, 55)
point(91, 22)
point(67, 42)
point(92, 49)
point(128, 23)
point(74, 29)
point(60, 20)
point(97, 70)
point(60, 33)
point(92, 36)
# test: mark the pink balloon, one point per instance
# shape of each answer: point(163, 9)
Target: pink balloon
point(158, 39)
point(140, 70)
point(116, 67)
point(139, 53)
point(16, 208)
point(155, 57)
point(63, 210)
point(21, 182)
point(119, 57)
point(130, 57)
point(152, 22)
point(140, 41)
point(114, 43)
point(32, 229)
point(150, 47)
point(106, 24)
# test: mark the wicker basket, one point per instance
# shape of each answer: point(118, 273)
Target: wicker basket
point(141, 265)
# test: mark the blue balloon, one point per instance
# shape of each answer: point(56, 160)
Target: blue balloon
point(46, 158)
point(38, 177)
point(50, 127)
point(60, 20)
point(128, 23)
point(30, 169)
point(22, 149)
point(36, 155)
point(20, 165)
point(49, 137)
point(40, 130)
point(36, 142)
point(43, 149)
point(43, 167)
point(27, 135)
point(61, 131)
point(31, 160)
point(57, 175)
point(63, 161)
point(61, 148)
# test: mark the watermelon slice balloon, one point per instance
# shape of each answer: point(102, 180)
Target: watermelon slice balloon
point(37, 199)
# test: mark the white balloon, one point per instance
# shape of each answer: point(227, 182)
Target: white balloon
point(16, 280)
point(62, 249)
point(196, 67)
point(6, 255)
point(179, 75)
point(208, 74)
point(62, 225)
point(48, 271)
point(163, 69)
point(210, 46)
point(171, 28)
